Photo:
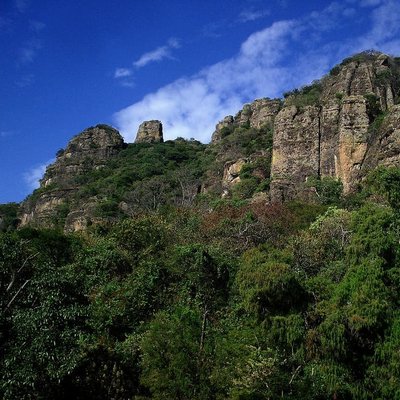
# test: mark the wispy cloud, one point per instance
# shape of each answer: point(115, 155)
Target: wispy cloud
point(35, 174)
point(21, 5)
point(4, 134)
point(28, 51)
point(124, 75)
point(158, 54)
point(122, 72)
point(370, 3)
point(37, 26)
point(251, 14)
point(285, 55)
point(25, 80)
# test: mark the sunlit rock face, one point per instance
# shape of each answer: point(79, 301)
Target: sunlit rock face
point(150, 132)
point(351, 127)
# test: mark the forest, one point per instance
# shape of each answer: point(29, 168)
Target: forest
point(216, 299)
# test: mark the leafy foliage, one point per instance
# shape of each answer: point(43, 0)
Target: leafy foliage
point(232, 300)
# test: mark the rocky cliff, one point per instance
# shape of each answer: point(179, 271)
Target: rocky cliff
point(150, 132)
point(254, 115)
point(90, 150)
point(341, 126)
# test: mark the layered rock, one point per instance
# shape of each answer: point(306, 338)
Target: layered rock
point(254, 115)
point(337, 136)
point(384, 142)
point(89, 150)
point(150, 132)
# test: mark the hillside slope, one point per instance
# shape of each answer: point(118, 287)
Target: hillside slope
point(340, 127)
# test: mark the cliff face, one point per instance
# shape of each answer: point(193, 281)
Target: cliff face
point(254, 115)
point(150, 132)
point(89, 150)
point(339, 127)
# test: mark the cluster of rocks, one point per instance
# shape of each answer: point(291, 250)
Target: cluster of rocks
point(89, 150)
point(335, 136)
point(332, 137)
point(254, 115)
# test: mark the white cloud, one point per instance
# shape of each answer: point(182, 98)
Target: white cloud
point(285, 55)
point(385, 29)
point(252, 15)
point(34, 175)
point(124, 75)
point(190, 107)
point(160, 53)
point(122, 72)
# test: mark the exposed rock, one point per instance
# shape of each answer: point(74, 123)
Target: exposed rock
point(89, 150)
point(232, 171)
point(384, 148)
point(258, 113)
point(295, 151)
point(150, 132)
point(232, 175)
point(337, 137)
point(221, 127)
point(353, 135)
point(341, 127)
point(254, 115)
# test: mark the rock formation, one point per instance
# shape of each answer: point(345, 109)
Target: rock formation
point(254, 115)
point(89, 150)
point(337, 135)
point(231, 175)
point(341, 126)
point(150, 132)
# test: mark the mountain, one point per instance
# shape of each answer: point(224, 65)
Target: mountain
point(340, 128)
point(264, 265)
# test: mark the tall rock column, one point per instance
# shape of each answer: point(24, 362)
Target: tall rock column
point(150, 132)
point(296, 150)
point(353, 141)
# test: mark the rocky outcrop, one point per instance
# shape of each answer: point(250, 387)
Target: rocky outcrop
point(231, 175)
point(254, 115)
point(89, 150)
point(295, 153)
point(258, 113)
point(342, 127)
point(150, 132)
point(222, 128)
point(338, 135)
point(384, 141)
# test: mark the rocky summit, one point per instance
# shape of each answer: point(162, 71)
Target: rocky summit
point(150, 132)
point(340, 127)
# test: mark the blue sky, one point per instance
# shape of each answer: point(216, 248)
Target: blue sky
point(67, 64)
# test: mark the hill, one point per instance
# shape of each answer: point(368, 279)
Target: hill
point(264, 265)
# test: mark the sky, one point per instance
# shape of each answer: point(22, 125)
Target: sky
point(66, 65)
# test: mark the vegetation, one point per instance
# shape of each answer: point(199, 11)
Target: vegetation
point(175, 294)
point(247, 301)
point(306, 96)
